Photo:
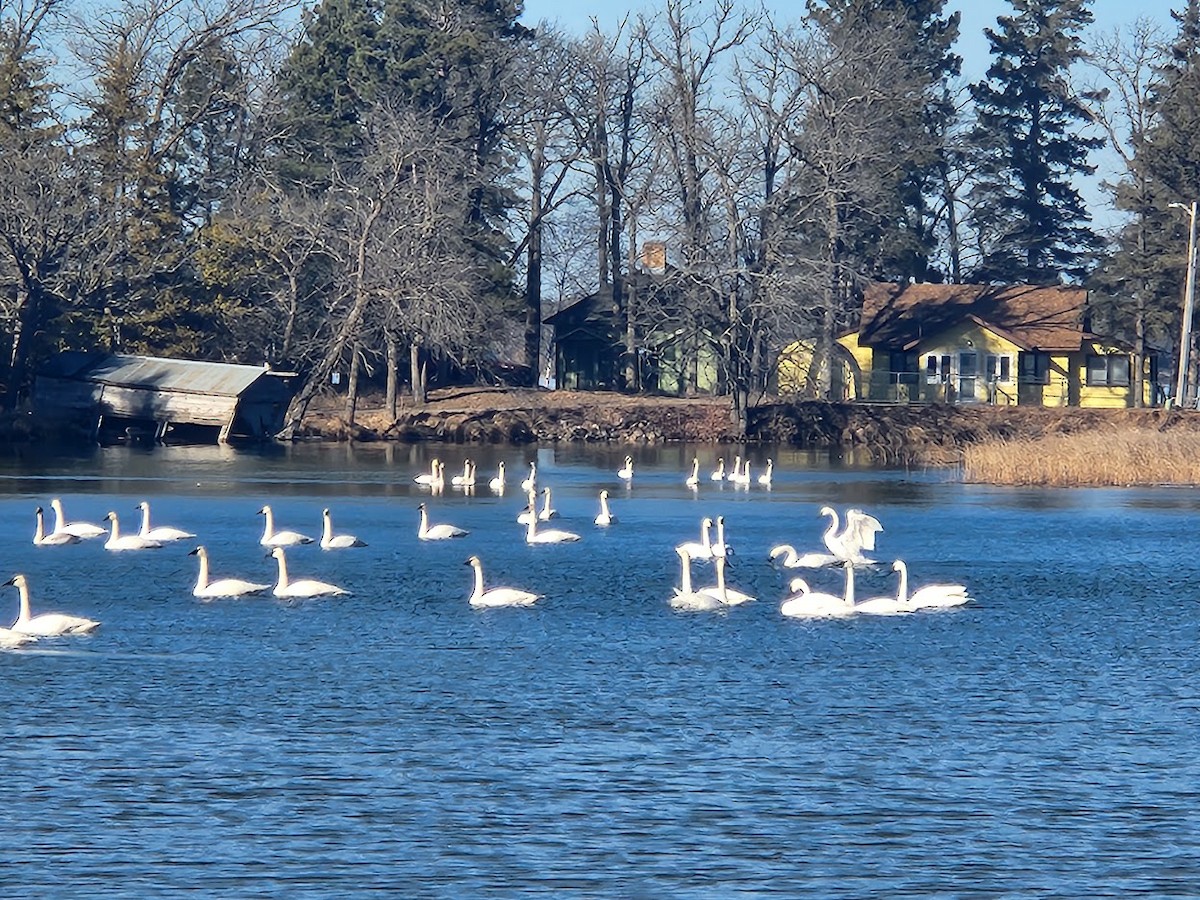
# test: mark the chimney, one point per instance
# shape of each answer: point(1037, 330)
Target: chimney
point(654, 257)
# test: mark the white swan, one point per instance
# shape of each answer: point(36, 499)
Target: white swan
point(722, 591)
point(719, 473)
point(304, 587)
point(467, 478)
point(858, 535)
point(703, 549)
point(931, 596)
point(875, 606)
point(497, 484)
point(530, 483)
point(331, 541)
point(498, 596)
point(548, 512)
point(430, 478)
point(683, 597)
point(222, 587)
point(552, 536)
point(47, 624)
point(530, 510)
point(10, 640)
point(272, 538)
point(117, 541)
point(693, 480)
point(83, 530)
point(427, 532)
point(765, 478)
point(719, 547)
point(740, 473)
point(806, 603)
point(625, 473)
point(162, 533)
point(605, 517)
point(54, 538)
point(793, 560)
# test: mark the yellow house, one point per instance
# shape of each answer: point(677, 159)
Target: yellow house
point(1015, 344)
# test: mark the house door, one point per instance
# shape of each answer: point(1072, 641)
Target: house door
point(968, 370)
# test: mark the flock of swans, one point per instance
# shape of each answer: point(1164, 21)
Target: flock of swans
point(846, 543)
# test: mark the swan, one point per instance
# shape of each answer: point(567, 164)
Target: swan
point(553, 536)
point(719, 547)
point(548, 512)
point(47, 624)
point(807, 603)
point(497, 483)
point(931, 596)
point(719, 473)
point(83, 530)
point(856, 536)
point(304, 587)
point(530, 483)
point(222, 587)
point(625, 473)
point(703, 549)
point(331, 541)
point(693, 480)
point(876, 606)
point(765, 478)
point(54, 538)
point(427, 532)
point(792, 560)
point(605, 517)
point(530, 510)
point(163, 533)
point(429, 478)
point(273, 538)
point(467, 478)
point(723, 592)
point(10, 639)
point(740, 473)
point(683, 596)
point(118, 541)
point(498, 596)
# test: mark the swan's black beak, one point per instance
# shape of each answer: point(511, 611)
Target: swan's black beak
point(194, 552)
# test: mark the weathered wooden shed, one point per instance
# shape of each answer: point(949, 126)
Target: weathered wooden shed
point(148, 393)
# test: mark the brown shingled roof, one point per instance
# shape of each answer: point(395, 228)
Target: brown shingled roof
point(1038, 318)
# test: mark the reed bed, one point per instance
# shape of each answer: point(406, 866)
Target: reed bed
point(1101, 458)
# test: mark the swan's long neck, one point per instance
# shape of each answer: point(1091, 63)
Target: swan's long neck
point(604, 506)
point(546, 501)
point(902, 593)
point(685, 573)
point(849, 585)
point(478, 591)
point(145, 520)
point(720, 535)
point(283, 575)
point(705, 535)
point(23, 590)
point(531, 526)
point(790, 558)
point(696, 468)
point(720, 565)
point(830, 532)
point(327, 527)
point(202, 579)
point(58, 515)
point(424, 528)
point(721, 466)
point(116, 526)
point(39, 533)
point(268, 523)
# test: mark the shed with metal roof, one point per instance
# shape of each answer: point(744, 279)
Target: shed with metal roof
point(144, 393)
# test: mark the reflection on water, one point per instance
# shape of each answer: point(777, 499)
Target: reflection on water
point(1037, 743)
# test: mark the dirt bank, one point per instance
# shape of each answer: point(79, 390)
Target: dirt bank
point(916, 434)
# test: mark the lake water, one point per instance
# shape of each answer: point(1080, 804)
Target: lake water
point(1039, 742)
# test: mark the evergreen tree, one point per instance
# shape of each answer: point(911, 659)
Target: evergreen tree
point(1032, 223)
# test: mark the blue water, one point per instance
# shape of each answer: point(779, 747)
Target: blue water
point(1040, 742)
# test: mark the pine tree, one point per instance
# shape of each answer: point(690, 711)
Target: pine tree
point(1032, 223)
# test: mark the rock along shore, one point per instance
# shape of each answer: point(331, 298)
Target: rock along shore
point(930, 434)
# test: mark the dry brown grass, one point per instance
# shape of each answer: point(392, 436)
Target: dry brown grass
point(1103, 458)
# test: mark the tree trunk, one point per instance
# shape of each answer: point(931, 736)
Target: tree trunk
point(417, 373)
point(533, 277)
point(352, 388)
point(393, 376)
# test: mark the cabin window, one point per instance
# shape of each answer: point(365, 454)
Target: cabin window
point(1108, 371)
point(999, 368)
point(903, 367)
point(1033, 368)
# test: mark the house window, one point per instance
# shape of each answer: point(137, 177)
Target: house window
point(903, 367)
point(999, 368)
point(1108, 371)
point(1033, 368)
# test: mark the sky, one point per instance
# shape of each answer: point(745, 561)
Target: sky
point(575, 16)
